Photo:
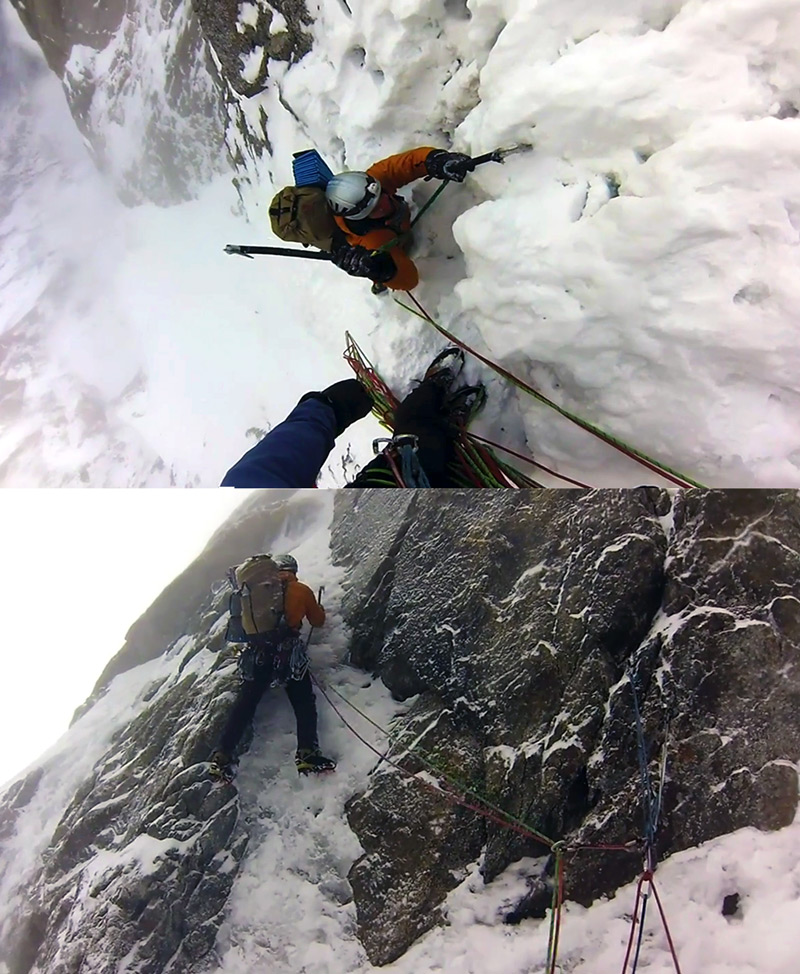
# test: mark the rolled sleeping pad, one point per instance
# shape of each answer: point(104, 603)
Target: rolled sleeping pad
point(310, 169)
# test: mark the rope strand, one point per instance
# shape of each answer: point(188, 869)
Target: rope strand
point(454, 792)
point(681, 480)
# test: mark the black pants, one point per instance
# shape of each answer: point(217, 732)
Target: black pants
point(421, 413)
point(301, 697)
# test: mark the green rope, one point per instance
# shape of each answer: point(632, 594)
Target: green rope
point(573, 417)
point(470, 453)
point(396, 241)
point(430, 203)
point(480, 467)
point(395, 739)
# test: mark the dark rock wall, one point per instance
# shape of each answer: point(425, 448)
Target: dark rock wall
point(143, 858)
point(516, 624)
point(140, 865)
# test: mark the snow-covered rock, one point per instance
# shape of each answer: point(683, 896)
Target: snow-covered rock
point(636, 267)
point(509, 622)
point(140, 85)
point(518, 623)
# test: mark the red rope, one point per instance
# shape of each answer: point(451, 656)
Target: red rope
point(490, 463)
point(521, 456)
point(393, 465)
point(535, 392)
point(559, 905)
point(633, 924)
point(368, 375)
point(666, 926)
point(647, 877)
point(448, 793)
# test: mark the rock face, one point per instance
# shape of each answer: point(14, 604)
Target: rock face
point(245, 37)
point(516, 625)
point(141, 863)
point(141, 87)
point(154, 86)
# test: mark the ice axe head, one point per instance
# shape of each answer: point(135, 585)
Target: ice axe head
point(237, 249)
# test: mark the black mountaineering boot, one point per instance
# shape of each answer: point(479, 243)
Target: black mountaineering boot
point(312, 761)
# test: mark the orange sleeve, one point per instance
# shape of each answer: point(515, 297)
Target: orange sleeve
point(407, 276)
point(399, 170)
point(313, 610)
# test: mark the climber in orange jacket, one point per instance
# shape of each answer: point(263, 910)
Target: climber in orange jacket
point(370, 214)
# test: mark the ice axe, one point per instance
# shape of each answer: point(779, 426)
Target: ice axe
point(496, 155)
point(319, 599)
point(245, 251)
point(499, 155)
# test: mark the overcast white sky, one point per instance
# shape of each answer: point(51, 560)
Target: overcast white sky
point(77, 568)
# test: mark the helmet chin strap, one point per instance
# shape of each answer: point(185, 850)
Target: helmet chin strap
point(373, 187)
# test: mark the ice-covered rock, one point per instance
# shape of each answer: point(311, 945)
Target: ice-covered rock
point(517, 622)
point(515, 625)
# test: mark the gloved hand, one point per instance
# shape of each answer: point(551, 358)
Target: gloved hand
point(359, 262)
point(349, 400)
point(448, 165)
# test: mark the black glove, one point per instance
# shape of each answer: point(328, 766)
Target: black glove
point(348, 399)
point(359, 262)
point(448, 165)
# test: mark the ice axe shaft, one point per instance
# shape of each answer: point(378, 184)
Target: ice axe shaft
point(319, 599)
point(245, 251)
point(499, 155)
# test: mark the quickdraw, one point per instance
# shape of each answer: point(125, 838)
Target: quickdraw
point(403, 449)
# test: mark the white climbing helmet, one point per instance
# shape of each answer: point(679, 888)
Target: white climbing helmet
point(353, 194)
point(285, 563)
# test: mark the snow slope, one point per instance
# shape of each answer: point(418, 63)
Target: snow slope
point(637, 267)
point(290, 908)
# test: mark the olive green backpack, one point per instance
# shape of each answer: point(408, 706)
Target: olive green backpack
point(300, 214)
